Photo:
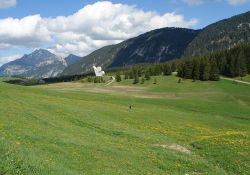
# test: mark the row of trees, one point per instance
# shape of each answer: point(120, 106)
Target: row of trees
point(232, 63)
point(199, 69)
point(145, 71)
point(95, 79)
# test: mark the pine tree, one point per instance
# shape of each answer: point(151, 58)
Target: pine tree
point(180, 72)
point(89, 79)
point(248, 64)
point(118, 77)
point(204, 70)
point(142, 80)
point(241, 63)
point(214, 71)
point(139, 71)
point(196, 69)
point(222, 62)
point(188, 69)
point(96, 80)
point(173, 67)
point(232, 66)
point(136, 80)
point(167, 69)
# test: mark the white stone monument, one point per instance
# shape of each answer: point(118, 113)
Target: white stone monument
point(98, 71)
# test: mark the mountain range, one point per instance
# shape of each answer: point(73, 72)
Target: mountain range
point(152, 47)
point(168, 43)
point(221, 35)
point(39, 64)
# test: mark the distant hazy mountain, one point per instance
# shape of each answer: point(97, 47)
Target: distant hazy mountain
point(156, 46)
point(71, 59)
point(221, 35)
point(39, 64)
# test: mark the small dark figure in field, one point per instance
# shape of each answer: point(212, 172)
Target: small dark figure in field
point(179, 81)
point(130, 107)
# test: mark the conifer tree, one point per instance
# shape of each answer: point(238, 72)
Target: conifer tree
point(232, 66)
point(196, 69)
point(173, 67)
point(204, 70)
point(136, 80)
point(167, 69)
point(188, 69)
point(180, 72)
point(142, 80)
point(89, 79)
point(118, 77)
point(214, 71)
point(248, 61)
point(241, 63)
point(147, 76)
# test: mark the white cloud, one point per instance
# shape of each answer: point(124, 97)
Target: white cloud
point(7, 3)
point(105, 23)
point(92, 27)
point(237, 2)
point(28, 31)
point(6, 59)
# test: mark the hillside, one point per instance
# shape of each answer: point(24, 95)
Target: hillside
point(221, 35)
point(101, 57)
point(153, 47)
point(86, 128)
point(71, 59)
point(168, 43)
point(39, 64)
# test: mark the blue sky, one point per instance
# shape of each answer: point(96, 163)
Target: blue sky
point(65, 26)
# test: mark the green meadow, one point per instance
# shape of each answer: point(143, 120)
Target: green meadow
point(187, 128)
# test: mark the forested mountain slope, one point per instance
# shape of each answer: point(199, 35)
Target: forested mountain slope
point(153, 47)
point(221, 35)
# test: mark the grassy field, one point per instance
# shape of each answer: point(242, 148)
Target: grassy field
point(184, 128)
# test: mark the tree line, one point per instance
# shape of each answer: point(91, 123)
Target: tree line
point(234, 62)
point(231, 63)
point(143, 72)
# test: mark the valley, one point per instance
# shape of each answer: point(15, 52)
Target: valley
point(87, 128)
point(125, 87)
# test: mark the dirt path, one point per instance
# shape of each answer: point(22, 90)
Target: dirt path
point(239, 81)
point(112, 81)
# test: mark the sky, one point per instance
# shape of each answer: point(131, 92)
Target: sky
point(82, 26)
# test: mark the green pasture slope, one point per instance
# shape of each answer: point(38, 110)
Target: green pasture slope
point(79, 128)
